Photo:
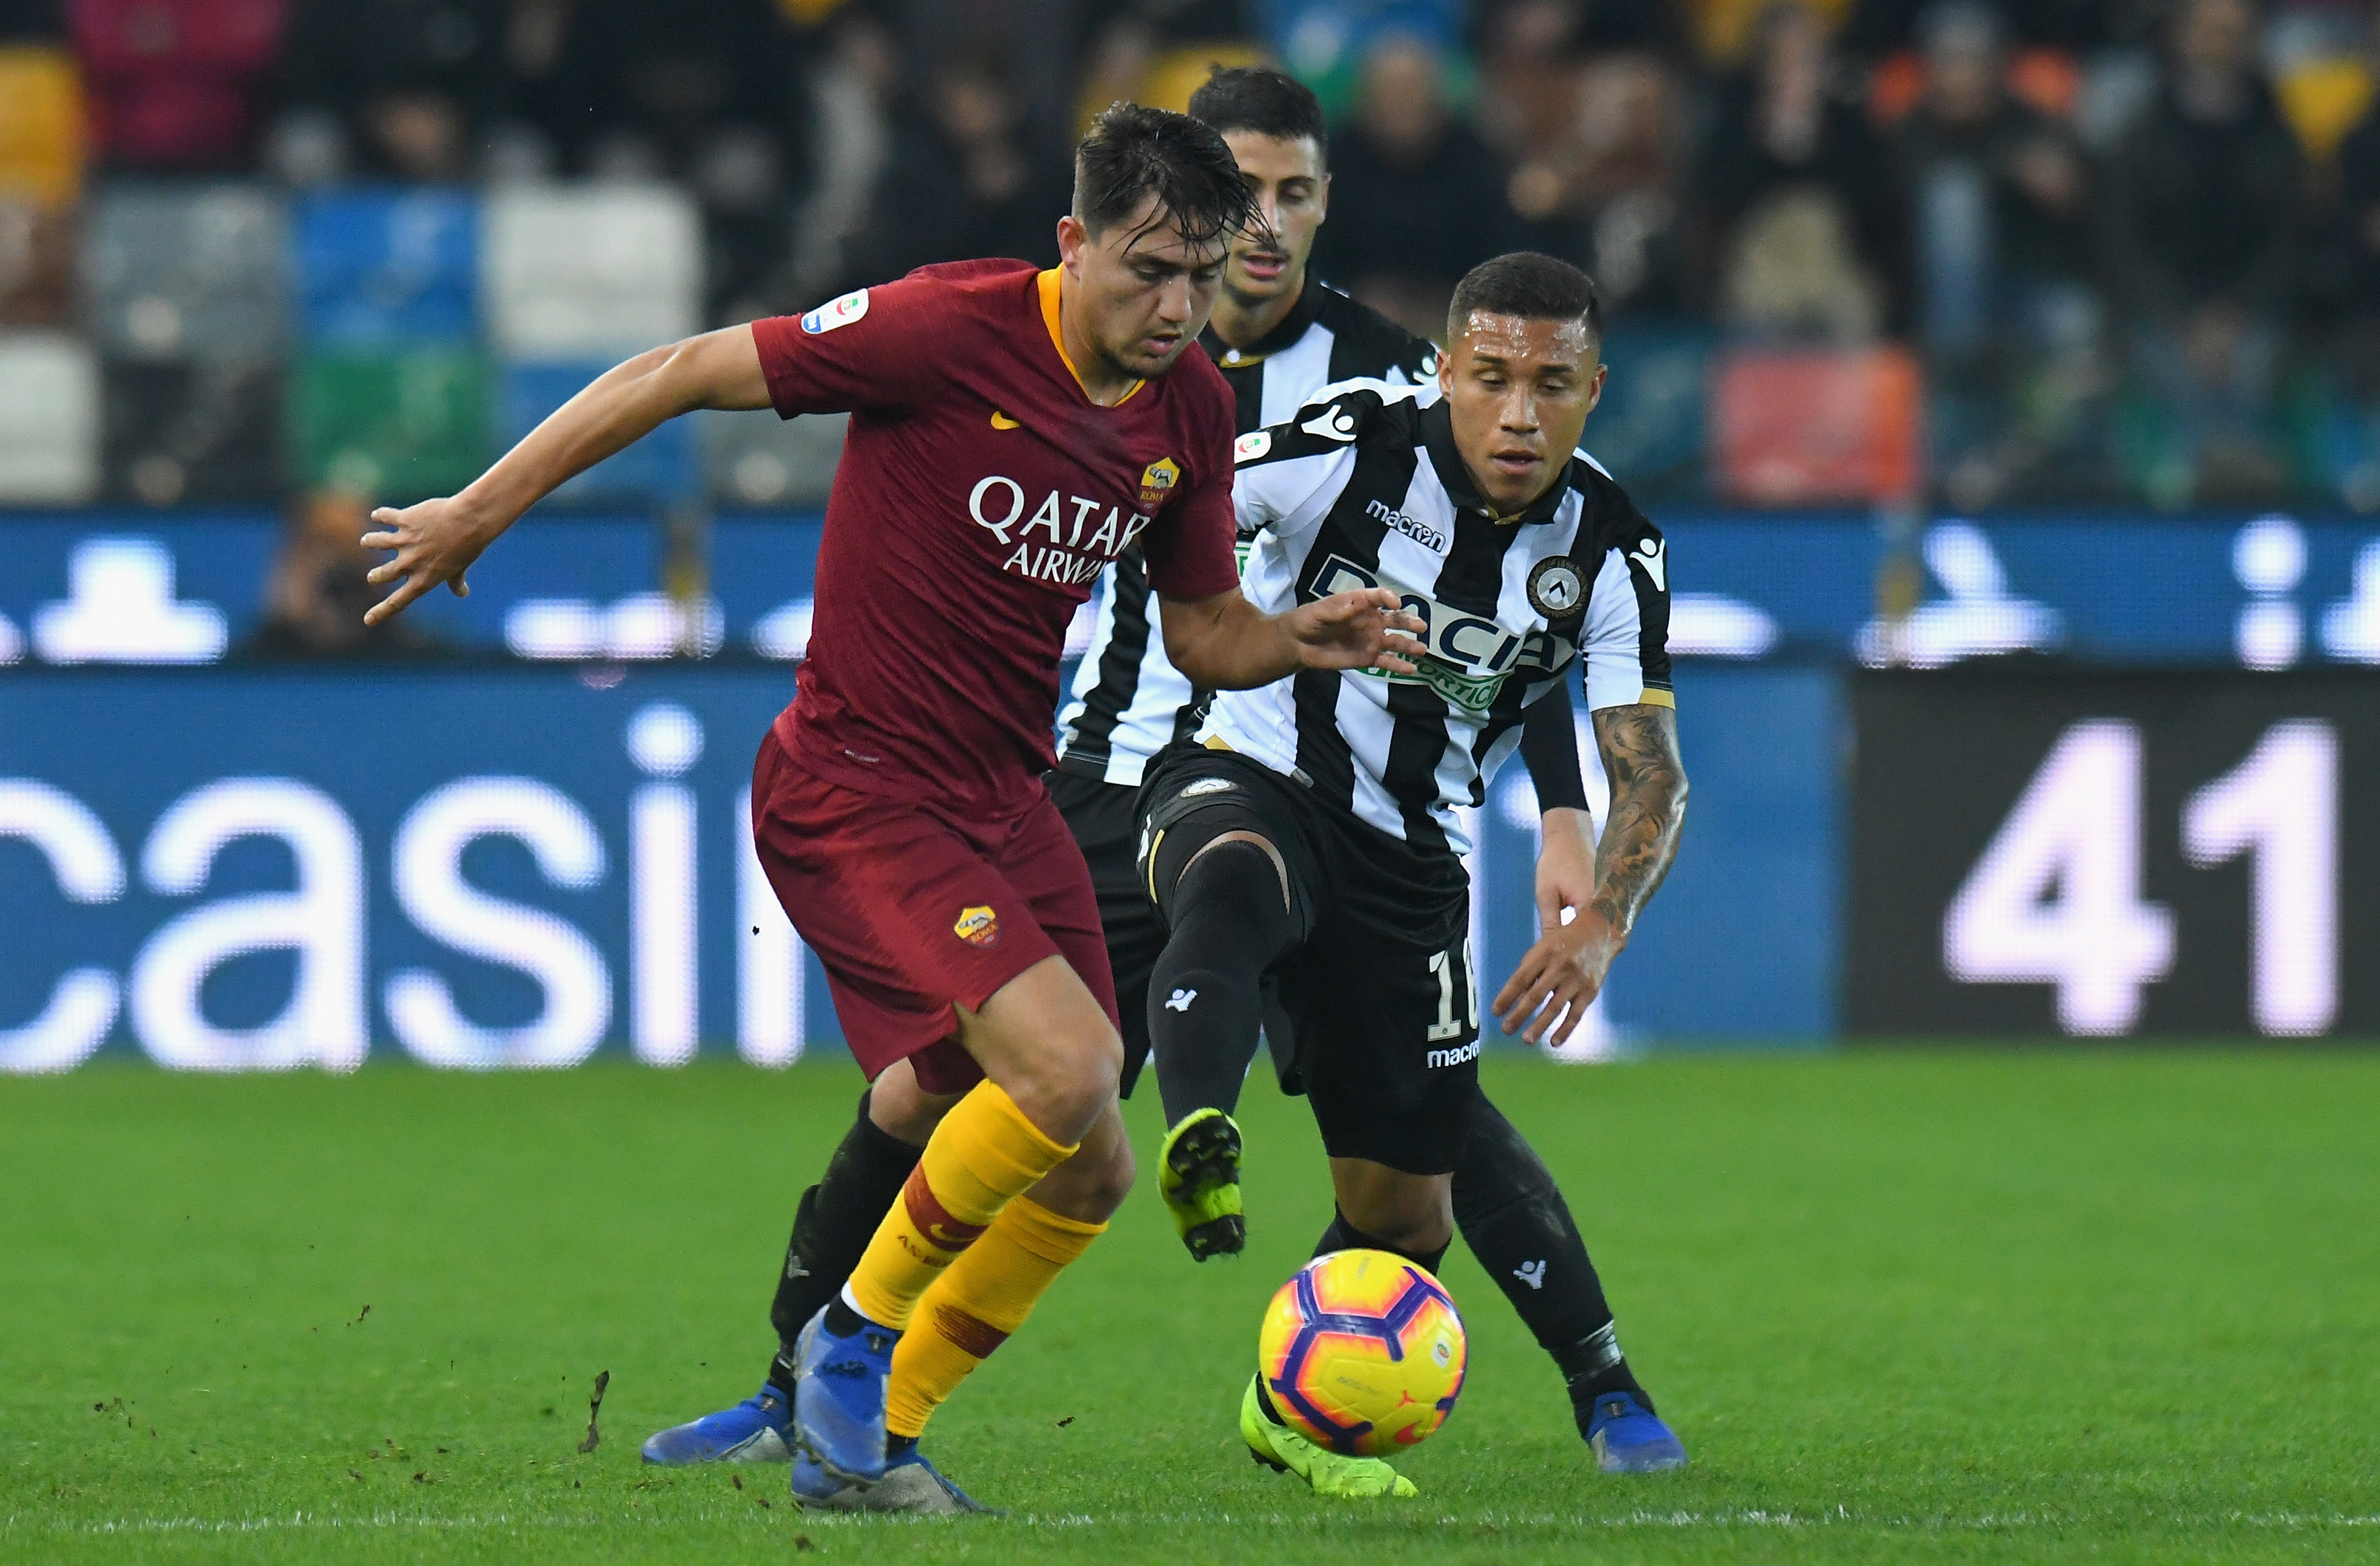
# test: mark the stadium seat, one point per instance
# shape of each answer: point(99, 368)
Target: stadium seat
point(41, 126)
point(186, 271)
point(49, 420)
point(399, 264)
point(396, 425)
point(175, 84)
point(36, 263)
point(2322, 99)
point(1814, 427)
point(189, 431)
point(591, 270)
point(660, 467)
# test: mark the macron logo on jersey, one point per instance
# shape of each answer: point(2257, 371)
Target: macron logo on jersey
point(1333, 423)
point(836, 313)
point(1653, 555)
point(1077, 549)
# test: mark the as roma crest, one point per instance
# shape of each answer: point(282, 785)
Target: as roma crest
point(977, 926)
point(1157, 481)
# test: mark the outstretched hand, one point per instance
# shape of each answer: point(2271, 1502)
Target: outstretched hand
point(434, 542)
point(1559, 976)
point(1357, 630)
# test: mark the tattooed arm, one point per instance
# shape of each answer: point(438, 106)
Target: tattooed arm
point(1564, 971)
point(1648, 805)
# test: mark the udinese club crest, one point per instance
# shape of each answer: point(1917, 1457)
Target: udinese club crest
point(1556, 589)
point(1157, 481)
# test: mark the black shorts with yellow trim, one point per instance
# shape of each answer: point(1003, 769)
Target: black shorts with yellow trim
point(1379, 992)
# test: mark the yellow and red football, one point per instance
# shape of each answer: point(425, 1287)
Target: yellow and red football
point(1363, 1352)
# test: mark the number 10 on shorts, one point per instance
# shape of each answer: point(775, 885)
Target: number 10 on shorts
point(1442, 967)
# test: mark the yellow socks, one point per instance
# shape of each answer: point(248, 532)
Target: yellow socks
point(976, 1303)
point(983, 1154)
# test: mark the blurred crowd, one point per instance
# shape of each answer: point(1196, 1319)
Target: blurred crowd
point(2109, 250)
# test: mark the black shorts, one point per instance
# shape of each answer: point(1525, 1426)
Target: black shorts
point(1378, 991)
point(1104, 817)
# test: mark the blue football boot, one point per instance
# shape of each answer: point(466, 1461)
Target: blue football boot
point(839, 1397)
point(911, 1486)
point(758, 1429)
point(1628, 1438)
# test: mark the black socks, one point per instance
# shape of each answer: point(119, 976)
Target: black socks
point(1228, 923)
point(1514, 1219)
point(837, 1218)
point(1595, 1365)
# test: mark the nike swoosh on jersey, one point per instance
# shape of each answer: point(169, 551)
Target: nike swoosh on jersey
point(1001, 421)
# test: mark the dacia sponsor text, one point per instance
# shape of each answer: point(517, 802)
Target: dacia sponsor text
point(1470, 656)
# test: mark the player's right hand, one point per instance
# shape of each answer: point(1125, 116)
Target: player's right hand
point(1558, 977)
point(434, 542)
point(1368, 628)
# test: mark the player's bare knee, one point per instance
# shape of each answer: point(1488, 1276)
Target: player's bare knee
point(1412, 1212)
point(1118, 1170)
point(901, 1108)
point(1092, 1184)
point(1414, 1224)
point(1062, 1087)
point(1046, 1040)
point(1090, 1086)
point(1424, 1237)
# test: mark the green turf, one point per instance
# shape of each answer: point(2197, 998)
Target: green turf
point(1902, 1307)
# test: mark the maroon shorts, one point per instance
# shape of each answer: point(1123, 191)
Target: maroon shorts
point(913, 910)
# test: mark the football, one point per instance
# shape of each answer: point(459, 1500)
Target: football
point(1363, 1352)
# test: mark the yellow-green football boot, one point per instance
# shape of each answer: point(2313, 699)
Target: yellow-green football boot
point(1282, 1450)
point(1198, 1175)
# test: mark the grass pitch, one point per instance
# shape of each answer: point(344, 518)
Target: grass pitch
point(1901, 1307)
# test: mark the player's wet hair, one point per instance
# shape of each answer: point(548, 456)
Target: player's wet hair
point(1134, 152)
point(1265, 101)
point(1533, 286)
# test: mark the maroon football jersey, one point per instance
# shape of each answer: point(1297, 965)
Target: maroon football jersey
point(981, 493)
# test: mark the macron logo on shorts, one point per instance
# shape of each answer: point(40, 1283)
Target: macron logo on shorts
point(1180, 1001)
point(1439, 1059)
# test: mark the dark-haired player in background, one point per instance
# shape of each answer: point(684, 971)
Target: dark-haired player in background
point(1012, 435)
point(1311, 837)
point(1279, 335)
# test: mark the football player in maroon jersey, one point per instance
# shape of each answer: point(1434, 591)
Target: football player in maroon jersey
point(1011, 431)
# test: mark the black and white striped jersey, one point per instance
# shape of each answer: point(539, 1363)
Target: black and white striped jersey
point(1128, 700)
point(1364, 487)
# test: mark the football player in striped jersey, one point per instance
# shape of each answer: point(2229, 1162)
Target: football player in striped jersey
point(1311, 838)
